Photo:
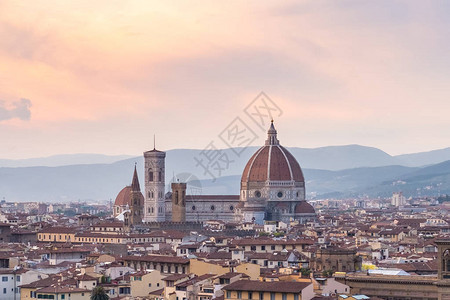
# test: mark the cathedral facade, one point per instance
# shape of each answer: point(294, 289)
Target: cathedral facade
point(272, 189)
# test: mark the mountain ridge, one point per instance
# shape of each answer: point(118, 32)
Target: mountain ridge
point(327, 157)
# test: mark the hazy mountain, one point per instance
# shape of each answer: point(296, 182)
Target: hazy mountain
point(424, 158)
point(338, 171)
point(324, 158)
point(427, 181)
point(104, 181)
point(342, 157)
point(63, 160)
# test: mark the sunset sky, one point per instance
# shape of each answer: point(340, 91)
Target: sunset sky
point(104, 76)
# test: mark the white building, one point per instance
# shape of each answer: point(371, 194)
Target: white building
point(398, 199)
point(12, 279)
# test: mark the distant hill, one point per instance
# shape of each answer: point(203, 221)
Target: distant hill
point(338, 171)
point(104, 181)
point(324, 158)
point(424, 158)
point(63, 160)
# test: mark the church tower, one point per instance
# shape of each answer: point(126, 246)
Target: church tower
point(178, 202)
point(154, 206)
point(136, 204)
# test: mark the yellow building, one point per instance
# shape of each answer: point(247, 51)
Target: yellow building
point(266, 245)
point(56, 234)
point(199, 267)
point(143, 283)
point(63, 292)
point(261, 290)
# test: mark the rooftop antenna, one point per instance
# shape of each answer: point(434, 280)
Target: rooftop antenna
point(154, 142)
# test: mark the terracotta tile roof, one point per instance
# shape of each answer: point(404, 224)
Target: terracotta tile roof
point(56, 229)
point(264, 286)
point(175, 277)
point(195, 280)
point(157, 258)
point(230, 275)
point(62, 289)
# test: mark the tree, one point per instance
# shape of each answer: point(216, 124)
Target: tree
point(99, 293)
point(305, 272)
point(327, 273)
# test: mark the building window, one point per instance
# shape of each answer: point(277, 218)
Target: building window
point(257, 194)
point(231, 207)
point(263, 248)
point(5, 278)
point(280, 194)
point(150, 176)
point(239, 295)
point(250, 295)
point(193, 207)
point(228, 294)
point(261, 295)
point(295, 296)
point(18, 278)
point(272, 247)
point(272, 296)
point(284, 296)
point(213, 207)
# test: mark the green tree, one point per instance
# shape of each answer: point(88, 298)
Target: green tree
point(327, 273)
point(305, 271)
point(99, 293)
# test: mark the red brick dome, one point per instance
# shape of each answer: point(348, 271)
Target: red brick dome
point(272, 162)
point(304, 208)
point(124, 197)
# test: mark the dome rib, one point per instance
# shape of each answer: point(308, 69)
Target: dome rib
point(288, 163)
point(272, 162)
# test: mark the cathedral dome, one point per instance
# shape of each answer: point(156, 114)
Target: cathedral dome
point(124, 197)
point(272, 162)
point(304, 208)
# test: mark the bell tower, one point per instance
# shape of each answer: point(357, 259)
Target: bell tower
point(154, 206)
point(178, 202)
point(136, 201)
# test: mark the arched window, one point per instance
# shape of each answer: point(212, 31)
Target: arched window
point(150, 176)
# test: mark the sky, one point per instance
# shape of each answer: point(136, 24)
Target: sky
point(106, 76)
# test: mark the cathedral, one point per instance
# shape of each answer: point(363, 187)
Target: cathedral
point(272, 189)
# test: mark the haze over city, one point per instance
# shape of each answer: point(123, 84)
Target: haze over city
point(104, 76)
